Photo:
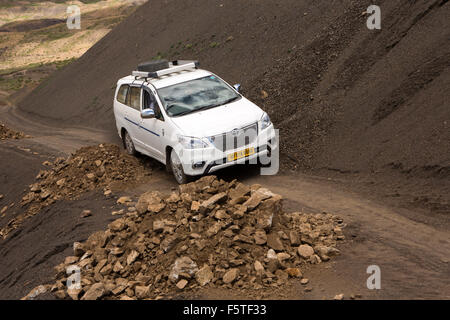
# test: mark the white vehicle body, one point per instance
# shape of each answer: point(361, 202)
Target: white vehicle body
point(163, 134)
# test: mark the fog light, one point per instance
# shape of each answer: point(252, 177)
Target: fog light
point(198, 165)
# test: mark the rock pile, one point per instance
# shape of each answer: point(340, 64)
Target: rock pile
point(89, 168)
point(209, 233)
point(6, 133)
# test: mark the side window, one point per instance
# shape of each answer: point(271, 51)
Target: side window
point(150, 102)
point(122, 94)
point(135, 98)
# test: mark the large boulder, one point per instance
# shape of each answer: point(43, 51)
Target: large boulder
point(183, 265)
point(95, 292)
point(204, 275)
point(150, 201)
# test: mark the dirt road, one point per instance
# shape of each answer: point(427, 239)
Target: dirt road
point(413, 256)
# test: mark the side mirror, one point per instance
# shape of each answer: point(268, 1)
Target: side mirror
point(237, 87)
point(147, 113)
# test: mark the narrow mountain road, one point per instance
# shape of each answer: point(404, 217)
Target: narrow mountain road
point(413, 257)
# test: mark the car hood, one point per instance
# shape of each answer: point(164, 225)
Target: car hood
point(219, 120)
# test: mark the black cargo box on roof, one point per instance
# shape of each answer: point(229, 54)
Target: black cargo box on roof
point(153, 66)
point(160, 68)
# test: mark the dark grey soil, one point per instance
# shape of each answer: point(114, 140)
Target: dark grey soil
point(18, 169)
point(30, 253)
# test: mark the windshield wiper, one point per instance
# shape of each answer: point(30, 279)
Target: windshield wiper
point(206, 107)
point(170, 106)
point(230, 100)
point(218, 104)
point(194, 110)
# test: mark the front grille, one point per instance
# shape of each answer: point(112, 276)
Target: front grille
point(237, 138)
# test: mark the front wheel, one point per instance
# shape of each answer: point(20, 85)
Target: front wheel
point(177, 168)
point(264, 162)
point(128, 144)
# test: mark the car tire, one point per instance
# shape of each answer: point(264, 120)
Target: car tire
point(263, 164)
point(177, 168)
point(128, 144)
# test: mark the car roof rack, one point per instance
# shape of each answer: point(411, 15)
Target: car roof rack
point(174, 66)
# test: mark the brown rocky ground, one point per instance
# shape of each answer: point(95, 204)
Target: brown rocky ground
point(6, 133)
point(375, 233)
point(90, 168)
point(209, 233)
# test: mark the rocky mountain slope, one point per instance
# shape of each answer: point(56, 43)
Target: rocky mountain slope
point(348, 100)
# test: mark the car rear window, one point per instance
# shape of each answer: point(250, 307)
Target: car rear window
point(122, 94)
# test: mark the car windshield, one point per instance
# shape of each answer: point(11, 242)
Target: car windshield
point(195, 95)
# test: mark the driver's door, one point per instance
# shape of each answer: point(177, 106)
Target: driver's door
point(152, 129)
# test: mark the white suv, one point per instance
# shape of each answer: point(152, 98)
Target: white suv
point(190, 119)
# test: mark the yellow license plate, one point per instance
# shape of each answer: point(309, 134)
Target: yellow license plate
point(241, 154)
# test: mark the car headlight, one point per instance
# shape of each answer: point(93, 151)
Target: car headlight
point(265, 121)
point(192, 142)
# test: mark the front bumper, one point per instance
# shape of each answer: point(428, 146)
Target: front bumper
point(208, 160)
